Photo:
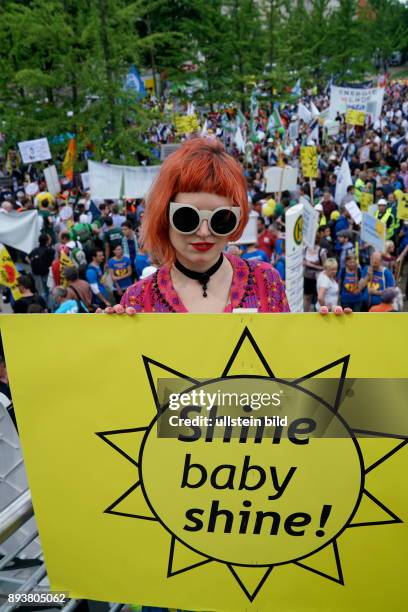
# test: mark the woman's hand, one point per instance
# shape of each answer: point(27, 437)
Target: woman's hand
point(337, 310)
point(118, 309)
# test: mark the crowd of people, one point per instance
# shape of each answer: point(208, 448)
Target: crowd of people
point(90, 252)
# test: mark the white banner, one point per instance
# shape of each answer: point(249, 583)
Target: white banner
point(343, 181)
point(85, 181)
point(294, 257)
point(354, 211)
point(20, 230)
point(293, 131)
point(34, 150)
point(105, 180)
point(310, 223)
point(52, 180)
point(281, 179)
point(367, 100)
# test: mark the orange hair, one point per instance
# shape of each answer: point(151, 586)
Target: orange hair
point(199, 165)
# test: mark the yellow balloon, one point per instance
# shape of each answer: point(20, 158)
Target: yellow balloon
point(267, 210)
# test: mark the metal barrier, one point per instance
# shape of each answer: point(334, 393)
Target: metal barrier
point(15, 515)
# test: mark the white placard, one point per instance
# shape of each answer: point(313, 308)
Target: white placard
point(52, 180)
point(32, 189)
point(34, 150)
point(355, 212)
point(250, 233)
point(373, 231)
point(332, 127)
point(294, 257)
point(293, 131)
point(367, 100)
point(106, 180)
point(281, 179)
point(85, 181)
point(364, 154)
point(310, 223)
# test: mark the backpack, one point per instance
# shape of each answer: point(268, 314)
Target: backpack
point(78, 256)
point(82, 232)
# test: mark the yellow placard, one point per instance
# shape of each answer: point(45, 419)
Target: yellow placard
point(355, 117)
point(402, 210)
point(308, 157)
point(187, 124)
point(227, 518)
point(366, 199)
point(9, 273)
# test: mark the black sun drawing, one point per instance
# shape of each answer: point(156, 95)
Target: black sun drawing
point(134, 503)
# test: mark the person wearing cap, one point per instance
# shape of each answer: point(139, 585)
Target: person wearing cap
point(340, 225)
point(344, 240)
point(385, 215)
point(387, 301)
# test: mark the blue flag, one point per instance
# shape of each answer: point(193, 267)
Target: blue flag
point(134, 82)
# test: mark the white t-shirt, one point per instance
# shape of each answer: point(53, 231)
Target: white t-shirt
point(332, 290)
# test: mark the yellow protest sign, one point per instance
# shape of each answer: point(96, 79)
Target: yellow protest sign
point(186, 124)
point(402, 210)
point(366, 199)
point(299, 515)
point(308, 158)
point(8, 272)
point(355, 117)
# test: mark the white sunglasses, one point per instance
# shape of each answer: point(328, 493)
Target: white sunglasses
point(186, 218)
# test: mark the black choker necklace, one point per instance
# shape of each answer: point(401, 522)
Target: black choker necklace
point(201, 277)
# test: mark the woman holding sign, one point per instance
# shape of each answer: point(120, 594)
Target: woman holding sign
point(197, 205)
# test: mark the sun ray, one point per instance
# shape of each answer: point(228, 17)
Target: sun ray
point(385, 457)
point(334, 393)
point(129, 439)
point(326, 563)
point(152, 366)
point(370, 505)
point(250, 579)
point(131, 504)
point(257, 360)
point(183, 559)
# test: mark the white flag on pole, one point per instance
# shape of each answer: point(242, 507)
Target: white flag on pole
point(315, 111)
point(239, 140)
point(343, 181)
point(304, 113)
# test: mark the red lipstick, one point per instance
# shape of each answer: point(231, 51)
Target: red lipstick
point(202, 246)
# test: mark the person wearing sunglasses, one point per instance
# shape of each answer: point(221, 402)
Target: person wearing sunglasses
point(197, 205)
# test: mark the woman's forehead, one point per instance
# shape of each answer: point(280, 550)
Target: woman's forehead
point(203, 200)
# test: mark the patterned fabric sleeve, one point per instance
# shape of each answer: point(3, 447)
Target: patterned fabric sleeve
point(270, 289)
point(135, 296)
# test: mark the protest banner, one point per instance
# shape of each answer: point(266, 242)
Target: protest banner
point(367, 100)
point(8, 272)
point(281, 179)
point(354, 211)
point(106, 180)
point(201, 517)
point(293, 131)
point(32, 189)
point(52, 180)
point(85, 181)
point(187, 124)
point(364, 154)
point(344, 180)
point(294, 257)
point(168, 149)
point(20, 230)
point(310, 223)
point(250, 233)
point(308, 157)
point(34, 150)
point(373, 232)
point(366, 199)
point(355, 117)
point(402, 209)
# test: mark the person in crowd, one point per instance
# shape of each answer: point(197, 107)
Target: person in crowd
point(327, 287)
point(112, 237)
point(66, 305)
point(117, 218)
point(130, 245)
point(313, 264)
point(94, 277)
point(325, 240)
point(351, 284)
point(77, 288)
point(40, 260)
point(25, 285)
point(253, 253)
point(385, 215)
point(120, 269)
point(386, 303)
point(266, 238)
point(376, 278)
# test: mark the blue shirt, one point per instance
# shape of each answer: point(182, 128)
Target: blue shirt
point(142, 260)
point(349, 293)
point(93, 276)
point(68, 307)
point(280, 267)
point(120, 267)
point(256, 256)
point(381, 280)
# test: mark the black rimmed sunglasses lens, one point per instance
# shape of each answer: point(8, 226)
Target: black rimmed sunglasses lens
point(186, 219)
point(223, 222)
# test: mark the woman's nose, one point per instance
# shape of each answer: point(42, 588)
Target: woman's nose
point(203, 230)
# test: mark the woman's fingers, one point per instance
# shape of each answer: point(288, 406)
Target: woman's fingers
point(118, 309)
point(130, 311)
point(338, 310)
point(348, 311)
point(109, 310)
point(324, 310)
point(99, 311)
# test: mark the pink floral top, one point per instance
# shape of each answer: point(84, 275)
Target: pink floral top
point(254, 285)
